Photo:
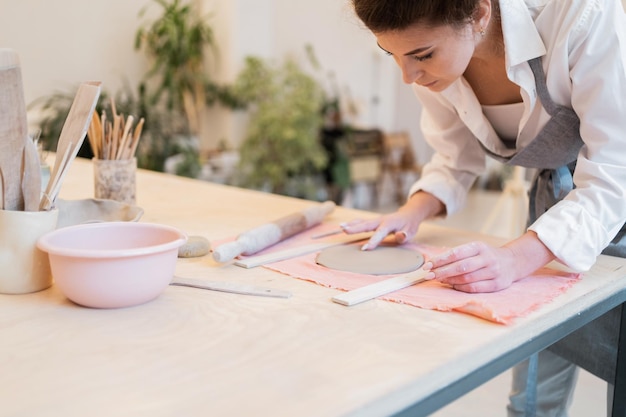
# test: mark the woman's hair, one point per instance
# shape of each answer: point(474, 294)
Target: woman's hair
point(385, 15)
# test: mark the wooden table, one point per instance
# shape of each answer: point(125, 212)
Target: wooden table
point(194, 352)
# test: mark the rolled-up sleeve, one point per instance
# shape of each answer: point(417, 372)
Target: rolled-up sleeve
point(458, 157)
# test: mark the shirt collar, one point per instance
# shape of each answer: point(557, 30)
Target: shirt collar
point(522, 41)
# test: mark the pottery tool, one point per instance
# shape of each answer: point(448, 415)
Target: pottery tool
point(71, 138)
point(264, 236)
point(231, 287)
point(380, 288)
point(114, 137)
point(13, 128)
point(31, 176)
point(254, 261)
point(327, 234)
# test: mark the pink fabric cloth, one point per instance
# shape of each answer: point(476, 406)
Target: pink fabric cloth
point(503, 307)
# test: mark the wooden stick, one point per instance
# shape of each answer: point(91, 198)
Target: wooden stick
point(103, 138)
point(121, 152)
point(113, 108)
point(136, 135)
point(93, 133)
point(380, 288)
point(115, 135)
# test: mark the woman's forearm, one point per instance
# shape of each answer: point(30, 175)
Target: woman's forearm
point(423, 205)
point(529, 254)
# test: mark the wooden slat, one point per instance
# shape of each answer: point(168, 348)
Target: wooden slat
point(380, 288)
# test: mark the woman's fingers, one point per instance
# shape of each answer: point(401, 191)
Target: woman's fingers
point(473, 267)
point(401, 236)
point(455, 255)
point(460, 265)
point(359, 226)
point(382, 227)
point(480, 286)
point(378, 236)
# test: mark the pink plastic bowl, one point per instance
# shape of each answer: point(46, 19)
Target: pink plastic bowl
point(113, 264)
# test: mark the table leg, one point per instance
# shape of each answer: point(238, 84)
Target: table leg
point(619, 395)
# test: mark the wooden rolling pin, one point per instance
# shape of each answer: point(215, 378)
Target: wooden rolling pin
point(269, 234)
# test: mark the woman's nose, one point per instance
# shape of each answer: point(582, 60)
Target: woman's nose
point(410, 72)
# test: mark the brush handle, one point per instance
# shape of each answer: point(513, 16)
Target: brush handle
point(264, 236)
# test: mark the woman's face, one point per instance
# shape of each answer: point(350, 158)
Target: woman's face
point(432, 57)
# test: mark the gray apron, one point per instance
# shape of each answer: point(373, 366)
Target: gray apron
point(553, 153)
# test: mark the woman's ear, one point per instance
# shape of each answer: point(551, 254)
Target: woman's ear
point(482, 15)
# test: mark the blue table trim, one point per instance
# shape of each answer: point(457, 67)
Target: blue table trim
point(619, 395)
point(474, 379)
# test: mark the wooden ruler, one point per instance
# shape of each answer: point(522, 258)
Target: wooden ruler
point(380, 288)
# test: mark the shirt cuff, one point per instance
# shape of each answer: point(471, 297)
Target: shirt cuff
point(572, 235)
point(453, 198)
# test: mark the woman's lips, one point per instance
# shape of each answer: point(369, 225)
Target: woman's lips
point(428, 85)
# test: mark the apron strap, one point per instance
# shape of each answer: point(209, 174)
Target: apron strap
point(542, 89)
point(550, 186)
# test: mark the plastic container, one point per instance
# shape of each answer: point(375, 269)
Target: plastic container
point(112, 264)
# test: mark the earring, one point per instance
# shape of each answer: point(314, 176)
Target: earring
point(482, 31)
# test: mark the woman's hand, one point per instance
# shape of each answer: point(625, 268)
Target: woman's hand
point(479, 267)
point(474, 267)
point(403, 224)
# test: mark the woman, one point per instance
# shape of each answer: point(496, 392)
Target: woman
point(539, 84)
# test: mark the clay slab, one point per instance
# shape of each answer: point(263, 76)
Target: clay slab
point(384, 260)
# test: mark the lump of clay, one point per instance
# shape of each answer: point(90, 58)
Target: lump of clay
point(194, 247)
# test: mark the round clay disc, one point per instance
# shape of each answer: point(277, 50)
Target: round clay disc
point(384, 260)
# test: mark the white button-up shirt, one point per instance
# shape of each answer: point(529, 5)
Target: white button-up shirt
point(583, 48)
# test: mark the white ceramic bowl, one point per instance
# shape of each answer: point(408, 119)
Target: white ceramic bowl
point(112, 264)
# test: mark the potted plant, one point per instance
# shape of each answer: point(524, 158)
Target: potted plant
point(282, 146)
point(177, 43)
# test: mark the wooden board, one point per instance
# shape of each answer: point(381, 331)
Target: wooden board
point(13, 129)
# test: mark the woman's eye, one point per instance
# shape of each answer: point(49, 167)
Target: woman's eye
point(423, 58)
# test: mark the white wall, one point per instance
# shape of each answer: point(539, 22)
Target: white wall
point(64, 42)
